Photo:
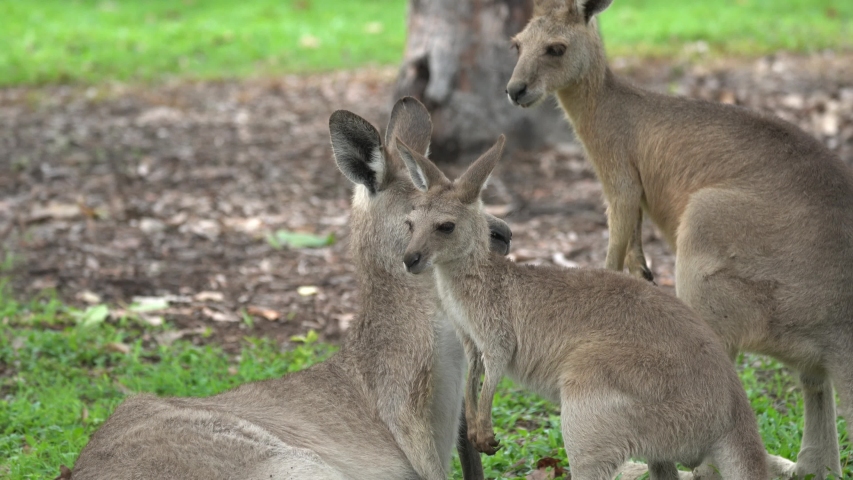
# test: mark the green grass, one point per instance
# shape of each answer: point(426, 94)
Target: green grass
point(60, 378)
point(727, 27)
point(90, 41)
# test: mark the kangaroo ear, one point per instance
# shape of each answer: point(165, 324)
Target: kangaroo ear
point(590, 8)
point(410, 123)
point(358, 150)
point(473, 181)
point(424, 173)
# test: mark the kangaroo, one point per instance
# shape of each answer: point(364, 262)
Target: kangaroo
point(636, 372)
point(759, 213)
point(387, 405)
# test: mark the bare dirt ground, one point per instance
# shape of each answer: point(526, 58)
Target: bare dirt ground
point(117, 192)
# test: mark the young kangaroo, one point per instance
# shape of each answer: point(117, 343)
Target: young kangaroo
point(759, 213)
point(386, 406)
point(635, 371)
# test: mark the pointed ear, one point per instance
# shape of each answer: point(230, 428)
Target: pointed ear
point(590, 8)
point(424, 173)
point(410, 123)
point(472, 182)
point(358, 150)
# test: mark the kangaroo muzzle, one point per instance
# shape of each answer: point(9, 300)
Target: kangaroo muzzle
point(413, 262)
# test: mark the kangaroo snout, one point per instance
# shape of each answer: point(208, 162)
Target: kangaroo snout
point(516, 90)
point(413, 262)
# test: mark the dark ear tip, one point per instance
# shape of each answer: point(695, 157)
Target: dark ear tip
point(411, 101)
point(340, 116)
point(337, 114)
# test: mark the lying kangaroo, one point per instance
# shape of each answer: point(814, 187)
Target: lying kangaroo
point(386, 406)
point(759, 213)
point(636, 372)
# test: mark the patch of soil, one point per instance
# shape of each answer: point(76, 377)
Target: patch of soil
point(116, 192)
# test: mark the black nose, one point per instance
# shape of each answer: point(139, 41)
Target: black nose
point(411, 260)
point(515, 91)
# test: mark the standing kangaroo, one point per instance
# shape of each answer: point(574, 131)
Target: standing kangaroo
point(635, 371)
point(386, 406)
point(759, 213)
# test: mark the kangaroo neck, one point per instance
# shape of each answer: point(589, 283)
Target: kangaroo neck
point(467, 287)
point(581, 100)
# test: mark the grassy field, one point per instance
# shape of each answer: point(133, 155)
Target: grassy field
point(89, 41)
point(62, 371)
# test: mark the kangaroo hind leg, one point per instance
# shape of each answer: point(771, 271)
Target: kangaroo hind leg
point(595, 435)
point(819, 451)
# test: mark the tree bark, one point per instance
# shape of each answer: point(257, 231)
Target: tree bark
point(457, 62)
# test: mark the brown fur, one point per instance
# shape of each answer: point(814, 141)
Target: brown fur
point(635, 371)
point(759, 213)
point(386, 406)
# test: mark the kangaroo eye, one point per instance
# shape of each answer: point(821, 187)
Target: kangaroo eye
point(446, 227)
point(556, 50)
point(409, 224)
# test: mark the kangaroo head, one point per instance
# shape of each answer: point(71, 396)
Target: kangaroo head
point(556, 49)
point(446, 222)
point(384, 194)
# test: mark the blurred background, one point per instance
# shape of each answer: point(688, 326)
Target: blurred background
point(90, 41)
point(172, 220)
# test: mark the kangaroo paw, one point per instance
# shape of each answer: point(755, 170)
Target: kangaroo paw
point(487, 444)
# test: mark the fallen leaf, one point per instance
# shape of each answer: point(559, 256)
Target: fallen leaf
point(89, 297)
point(248, 225)
point(283, 238)
point(560, 259)
point(208, 296)
point(546, 468)
point(93, 315)
point(148, 304)
point(153, 320)
point(307, 290)
point(169, 337)
point(204, 228)
point(219, 316)
point(117, 347)
point(151, 225)
point(159, 115)
point(55, 210)
point(267, 313)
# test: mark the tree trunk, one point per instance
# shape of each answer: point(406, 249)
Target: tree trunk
point(457, 62)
